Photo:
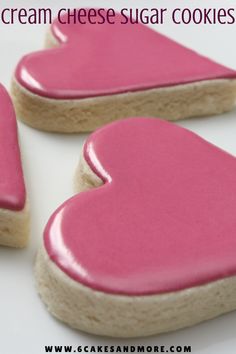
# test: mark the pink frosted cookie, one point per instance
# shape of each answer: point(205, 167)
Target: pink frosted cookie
point(97, 73)
point(13, 209)
point(152, 247)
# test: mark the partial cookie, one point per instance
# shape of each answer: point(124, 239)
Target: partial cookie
point(14, 213)
point(95, 74)
point(149, 245)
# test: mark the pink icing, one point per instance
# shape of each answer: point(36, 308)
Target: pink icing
point(12, 188)
point(96, 60)
point(164, 220)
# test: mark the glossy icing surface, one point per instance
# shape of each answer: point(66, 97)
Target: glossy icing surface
point(164, 220)
point(96, 60)
point(12, 188)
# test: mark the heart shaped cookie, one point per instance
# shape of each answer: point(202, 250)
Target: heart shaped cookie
point(98, 73)
point(13, 209)
point(152, 247)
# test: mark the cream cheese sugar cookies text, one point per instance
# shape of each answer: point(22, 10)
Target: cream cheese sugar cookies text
point(158, 16)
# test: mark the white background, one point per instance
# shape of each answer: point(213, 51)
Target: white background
point(49, 164)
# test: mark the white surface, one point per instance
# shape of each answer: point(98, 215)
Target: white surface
point(49, 162)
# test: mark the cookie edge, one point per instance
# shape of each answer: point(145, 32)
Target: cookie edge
point(14, 227)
